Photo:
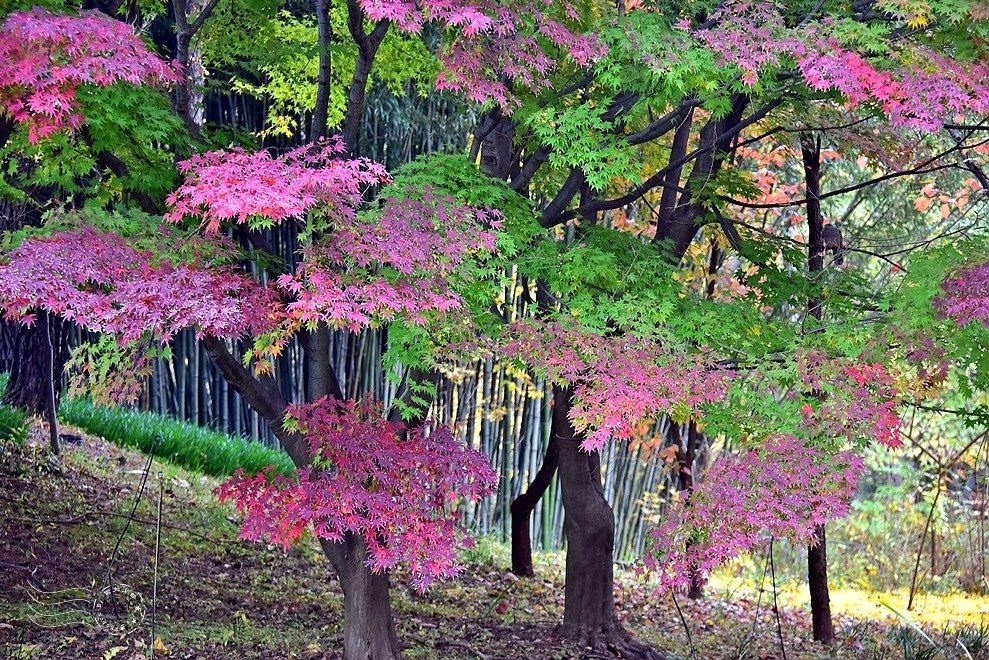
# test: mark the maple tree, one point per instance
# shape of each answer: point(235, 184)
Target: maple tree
point(346, 452)
point(109, 284)
point(393, 485)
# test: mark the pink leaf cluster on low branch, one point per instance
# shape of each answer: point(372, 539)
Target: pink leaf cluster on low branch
point(45, 57)
point(783, 489)
point(858, 402)
point(236, 185)
point(495, 42)
point(921, 90)
point(965, 296)
point(618, 381)
point(398, 487)
point(99, 281)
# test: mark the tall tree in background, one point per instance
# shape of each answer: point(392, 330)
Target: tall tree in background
point(656, 123)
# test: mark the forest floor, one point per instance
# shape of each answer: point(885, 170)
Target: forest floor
point(219, 597)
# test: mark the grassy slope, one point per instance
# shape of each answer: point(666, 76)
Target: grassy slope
point(223, 598)
point(194, 447)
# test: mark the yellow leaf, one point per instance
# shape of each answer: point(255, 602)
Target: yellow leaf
point(917, 21)
point(160, 648)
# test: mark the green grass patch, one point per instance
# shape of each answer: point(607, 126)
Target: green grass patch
point(13, 424)
point(13, 421)
point(188, 445)
point(193, 447)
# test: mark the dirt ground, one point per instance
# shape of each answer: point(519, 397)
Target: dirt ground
point(65, 592)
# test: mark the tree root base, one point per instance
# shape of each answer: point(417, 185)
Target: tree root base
point(611, 641)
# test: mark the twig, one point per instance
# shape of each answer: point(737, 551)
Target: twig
point(154, 583)
point(686, 628)
point(923, 538)
point(776, 608)
point(755, 618)
point(461, 645)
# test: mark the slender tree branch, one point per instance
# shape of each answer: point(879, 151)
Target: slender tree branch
point(261, 393)
point(203, 16)
point(553, 219)
point(553, 213)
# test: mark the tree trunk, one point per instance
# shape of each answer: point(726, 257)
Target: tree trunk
point(320, 128)
point(24, 352)
point(589, 615)
point(524, 504)
point(685, 460)
point(51, 407)
point(817, 579)
point(522, 507)
point(189, 92)
point(817, 553)
point(368, 625)
point(367, 49)
point(369, 630)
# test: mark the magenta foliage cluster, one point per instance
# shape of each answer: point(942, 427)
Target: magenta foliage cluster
point(420, 242)
point(45, 57)
point(783, 489)
point(618, 381)
point(396, 486)
point(98, 280)
point(395, 264)
point(921, 90)
point(497, 44)
point(858, 401)
point(236, 185)
point(965, 295)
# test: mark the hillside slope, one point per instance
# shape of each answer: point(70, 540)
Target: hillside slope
point(220, 597)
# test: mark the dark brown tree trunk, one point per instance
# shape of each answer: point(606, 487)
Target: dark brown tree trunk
point(817, 579)
point(369, 628)
point(589, 616)
point(367, 49)
point(817, 553)
point(189, 99)
point(24, 354)
point(24, 350)
point(368, 625)
point(685, 459)
point(523, 506)
point(525, 503)
point(320, 128)
point(497, 150)
point(51, 407)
